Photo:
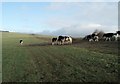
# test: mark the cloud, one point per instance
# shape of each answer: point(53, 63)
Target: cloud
point(60, 0)
point(84, 18)
point(55, 6)
point(74, 19)
point(1, 28)
point(62, 5)
point(101, 13)
point(84, 13)
point(81, 30)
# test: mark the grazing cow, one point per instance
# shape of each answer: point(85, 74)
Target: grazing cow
point(64, 40)
point(68, 40)
point(108, 36)
point(92, 37)
point(21, 42)
point(96, 38)
point(89, 38)
point(54, 40)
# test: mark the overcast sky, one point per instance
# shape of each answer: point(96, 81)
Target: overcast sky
point(60, 18)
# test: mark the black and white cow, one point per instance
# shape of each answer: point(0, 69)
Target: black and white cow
point(95, 37)
point(108, 36)
point(118, 32)
point(89, 38)
point(117, 35)
point(21, 42)
point(54, 40)
point(92, 37)
point(61, 40)
point(68, 40)
point(64, 40)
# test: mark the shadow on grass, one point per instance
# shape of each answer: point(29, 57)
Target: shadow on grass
point(46, 44)
point(40, 44)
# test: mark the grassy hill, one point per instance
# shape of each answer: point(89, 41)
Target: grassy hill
point(37, 61)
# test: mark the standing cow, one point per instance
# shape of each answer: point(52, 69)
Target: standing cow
point(117, 35)
point(61, 40)
point(64, 40)
point(54, 40)
point(92, 37)
point(118, 32)
point(108, 36)
point(88, 37)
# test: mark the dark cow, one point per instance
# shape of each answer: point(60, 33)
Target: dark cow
point(61, 40)
point(92, 37)
point(118, 32)
point(54, 40)
point(21, 42)
point(89, 37)
point(108, 36)
point(118, 35)
point(95, 37)
point(64, 39)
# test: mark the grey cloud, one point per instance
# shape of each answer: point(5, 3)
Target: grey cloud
point(102, 13)
point(81, 30)
point(60, 0)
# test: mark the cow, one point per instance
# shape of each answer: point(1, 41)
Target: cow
point(21, 41)
point(61, 40)
point(64, 40)
point(92, 37)
point(118, 32)
point(96, 38)
point(68, 40)
point(117, 35)
point(89, 38)
point(108, 36)
point(54, 40)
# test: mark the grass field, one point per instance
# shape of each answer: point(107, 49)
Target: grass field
point(37, 61)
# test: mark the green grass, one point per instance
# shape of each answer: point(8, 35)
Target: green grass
point(83, 62)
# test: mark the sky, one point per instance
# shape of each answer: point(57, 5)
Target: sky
point(59, 18)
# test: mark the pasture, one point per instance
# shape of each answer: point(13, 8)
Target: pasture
point(38, 61)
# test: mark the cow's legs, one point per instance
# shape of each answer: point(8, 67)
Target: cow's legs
point(21, 43)
point(109, 39)
point(52, 43)
point(116, 37)
point(90, 40)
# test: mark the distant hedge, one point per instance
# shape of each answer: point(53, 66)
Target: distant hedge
point(4, 31)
